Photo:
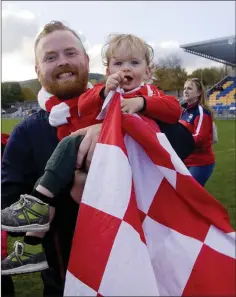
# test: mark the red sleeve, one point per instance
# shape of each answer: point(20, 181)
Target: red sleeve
point(4, 244)
point(162, 107)
point(90, 101)
point(202, 128)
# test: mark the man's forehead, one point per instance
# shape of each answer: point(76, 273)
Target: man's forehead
point(58, 40)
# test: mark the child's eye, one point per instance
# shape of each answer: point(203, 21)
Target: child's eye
point(135, 62)
point(118, 63)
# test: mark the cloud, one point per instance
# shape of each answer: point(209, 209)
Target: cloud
point(18, 27)
point(14, 68)
point(161, 50)
point(189, 61)
point(96, 65)
point(19, 30)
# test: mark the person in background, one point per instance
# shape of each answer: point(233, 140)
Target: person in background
point(198, 118)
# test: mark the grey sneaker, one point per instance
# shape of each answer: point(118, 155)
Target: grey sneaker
point(25, 259)
point(28, 214)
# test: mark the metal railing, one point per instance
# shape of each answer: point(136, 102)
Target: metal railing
point(219, 82)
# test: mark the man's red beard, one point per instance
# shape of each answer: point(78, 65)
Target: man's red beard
point(66, 89)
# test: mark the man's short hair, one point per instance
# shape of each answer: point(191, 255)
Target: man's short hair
point(52, 27)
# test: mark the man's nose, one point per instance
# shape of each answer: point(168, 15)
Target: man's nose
point(63, 61)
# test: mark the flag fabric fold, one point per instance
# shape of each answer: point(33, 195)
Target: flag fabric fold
point(145, 227)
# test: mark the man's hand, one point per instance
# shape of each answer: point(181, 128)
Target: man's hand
point(88, 144)
point(78, 185)
point(132, 105)
point(113, 81)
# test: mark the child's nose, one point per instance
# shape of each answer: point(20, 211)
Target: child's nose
point(125, 67)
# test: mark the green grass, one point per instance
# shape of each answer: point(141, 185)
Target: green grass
point(8, 125)
point(221, 185)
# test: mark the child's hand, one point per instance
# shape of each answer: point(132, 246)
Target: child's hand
point(113, 81)
point(132, 105)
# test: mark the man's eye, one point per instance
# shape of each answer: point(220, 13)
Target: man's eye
point(50, 58)
point(71, 53)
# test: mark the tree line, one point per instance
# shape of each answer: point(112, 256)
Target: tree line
point(168, 75)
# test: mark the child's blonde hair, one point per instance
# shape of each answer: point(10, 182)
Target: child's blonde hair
point(131, 41)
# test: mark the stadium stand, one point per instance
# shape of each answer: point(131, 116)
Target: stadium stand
point(222, 96)
point(224, 99)
point(221, 50)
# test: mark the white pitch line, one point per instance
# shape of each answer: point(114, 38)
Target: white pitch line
point(229, 150)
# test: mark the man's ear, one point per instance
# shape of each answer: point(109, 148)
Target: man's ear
point(36, 69)
point(87, 61)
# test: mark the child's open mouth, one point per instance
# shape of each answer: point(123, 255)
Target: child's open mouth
point(129, 78)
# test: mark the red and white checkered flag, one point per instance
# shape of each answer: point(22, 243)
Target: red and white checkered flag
point(145, 226)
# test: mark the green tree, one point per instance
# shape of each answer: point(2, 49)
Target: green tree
point(11, 93)
point(28, 94)
point(169, 74)
point(209, 76)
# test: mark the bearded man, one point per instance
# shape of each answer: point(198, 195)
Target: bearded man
point(62, 66)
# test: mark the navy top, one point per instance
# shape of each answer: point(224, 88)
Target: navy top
point(29, 147)
point(27, 151)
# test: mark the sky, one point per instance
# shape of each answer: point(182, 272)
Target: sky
point(164, 24)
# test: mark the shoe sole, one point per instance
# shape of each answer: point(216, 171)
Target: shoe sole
point(32, 228)
point(28, 268)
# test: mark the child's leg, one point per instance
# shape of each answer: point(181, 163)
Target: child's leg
point(59, 172)
point(25, 258)
point(60, 168)
point(34, 212)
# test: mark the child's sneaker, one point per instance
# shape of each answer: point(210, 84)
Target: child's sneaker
point(25, 259)
point(28, 214)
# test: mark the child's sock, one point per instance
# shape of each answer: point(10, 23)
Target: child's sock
point(42, 197)
point(32, 240)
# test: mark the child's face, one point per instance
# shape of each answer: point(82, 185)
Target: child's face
point(133, 64)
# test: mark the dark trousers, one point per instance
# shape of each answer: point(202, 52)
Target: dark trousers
point(7, 287)
point(60, 168)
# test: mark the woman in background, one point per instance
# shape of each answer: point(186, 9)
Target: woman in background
point(198, 118)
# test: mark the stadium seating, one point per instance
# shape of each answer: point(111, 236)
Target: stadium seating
point(224, 99)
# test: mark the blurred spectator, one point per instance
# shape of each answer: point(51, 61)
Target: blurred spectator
point(198, 118)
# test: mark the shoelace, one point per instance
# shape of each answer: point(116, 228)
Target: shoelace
point(21, 203)
point(18, 249)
